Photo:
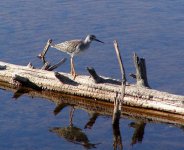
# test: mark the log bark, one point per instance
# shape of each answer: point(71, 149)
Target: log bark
point(84, 86)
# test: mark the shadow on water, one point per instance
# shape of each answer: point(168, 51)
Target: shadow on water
point(76, 135)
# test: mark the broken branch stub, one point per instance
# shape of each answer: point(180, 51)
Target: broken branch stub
point(141, 74)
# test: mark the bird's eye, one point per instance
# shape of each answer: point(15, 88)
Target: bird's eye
point(92, 37)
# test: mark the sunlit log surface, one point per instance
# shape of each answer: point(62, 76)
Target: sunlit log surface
point(98, 107)
point(84, 86)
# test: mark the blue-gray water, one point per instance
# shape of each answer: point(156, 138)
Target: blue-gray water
point(153, 29)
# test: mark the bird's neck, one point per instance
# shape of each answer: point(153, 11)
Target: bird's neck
point(87, 41)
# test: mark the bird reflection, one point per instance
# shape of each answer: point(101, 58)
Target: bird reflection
point(71, 133)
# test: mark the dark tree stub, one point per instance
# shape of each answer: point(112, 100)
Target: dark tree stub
point(65, 80)
point(94, 75)
point(141, 74)
point(98, 79)
point(2, 67)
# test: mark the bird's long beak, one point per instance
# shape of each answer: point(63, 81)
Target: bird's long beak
point(98, 40)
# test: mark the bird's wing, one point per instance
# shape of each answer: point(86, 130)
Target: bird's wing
point(68, 46)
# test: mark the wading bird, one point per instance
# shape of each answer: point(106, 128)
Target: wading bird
point(74, 47)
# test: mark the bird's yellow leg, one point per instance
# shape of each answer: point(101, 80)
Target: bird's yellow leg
point(71, 64)
point(73, 68)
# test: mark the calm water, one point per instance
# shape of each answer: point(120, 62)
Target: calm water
point(153, 29)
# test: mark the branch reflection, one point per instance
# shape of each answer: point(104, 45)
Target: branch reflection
point(138, 135)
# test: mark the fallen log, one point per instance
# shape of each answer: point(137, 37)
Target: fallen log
point(85, 86)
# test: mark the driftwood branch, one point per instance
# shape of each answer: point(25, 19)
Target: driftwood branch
point(43, 53)
point(46, 64)
point(120, 62)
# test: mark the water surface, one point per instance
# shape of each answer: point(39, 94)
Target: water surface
point(153, 29)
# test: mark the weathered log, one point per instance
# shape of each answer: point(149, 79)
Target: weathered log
point(134, 95)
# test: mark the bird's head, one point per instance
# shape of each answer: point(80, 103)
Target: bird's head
point(91, 38)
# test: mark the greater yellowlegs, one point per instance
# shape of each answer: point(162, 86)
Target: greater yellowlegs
point(74, 47)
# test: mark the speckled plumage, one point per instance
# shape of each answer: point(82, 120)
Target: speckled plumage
point(70, 47)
